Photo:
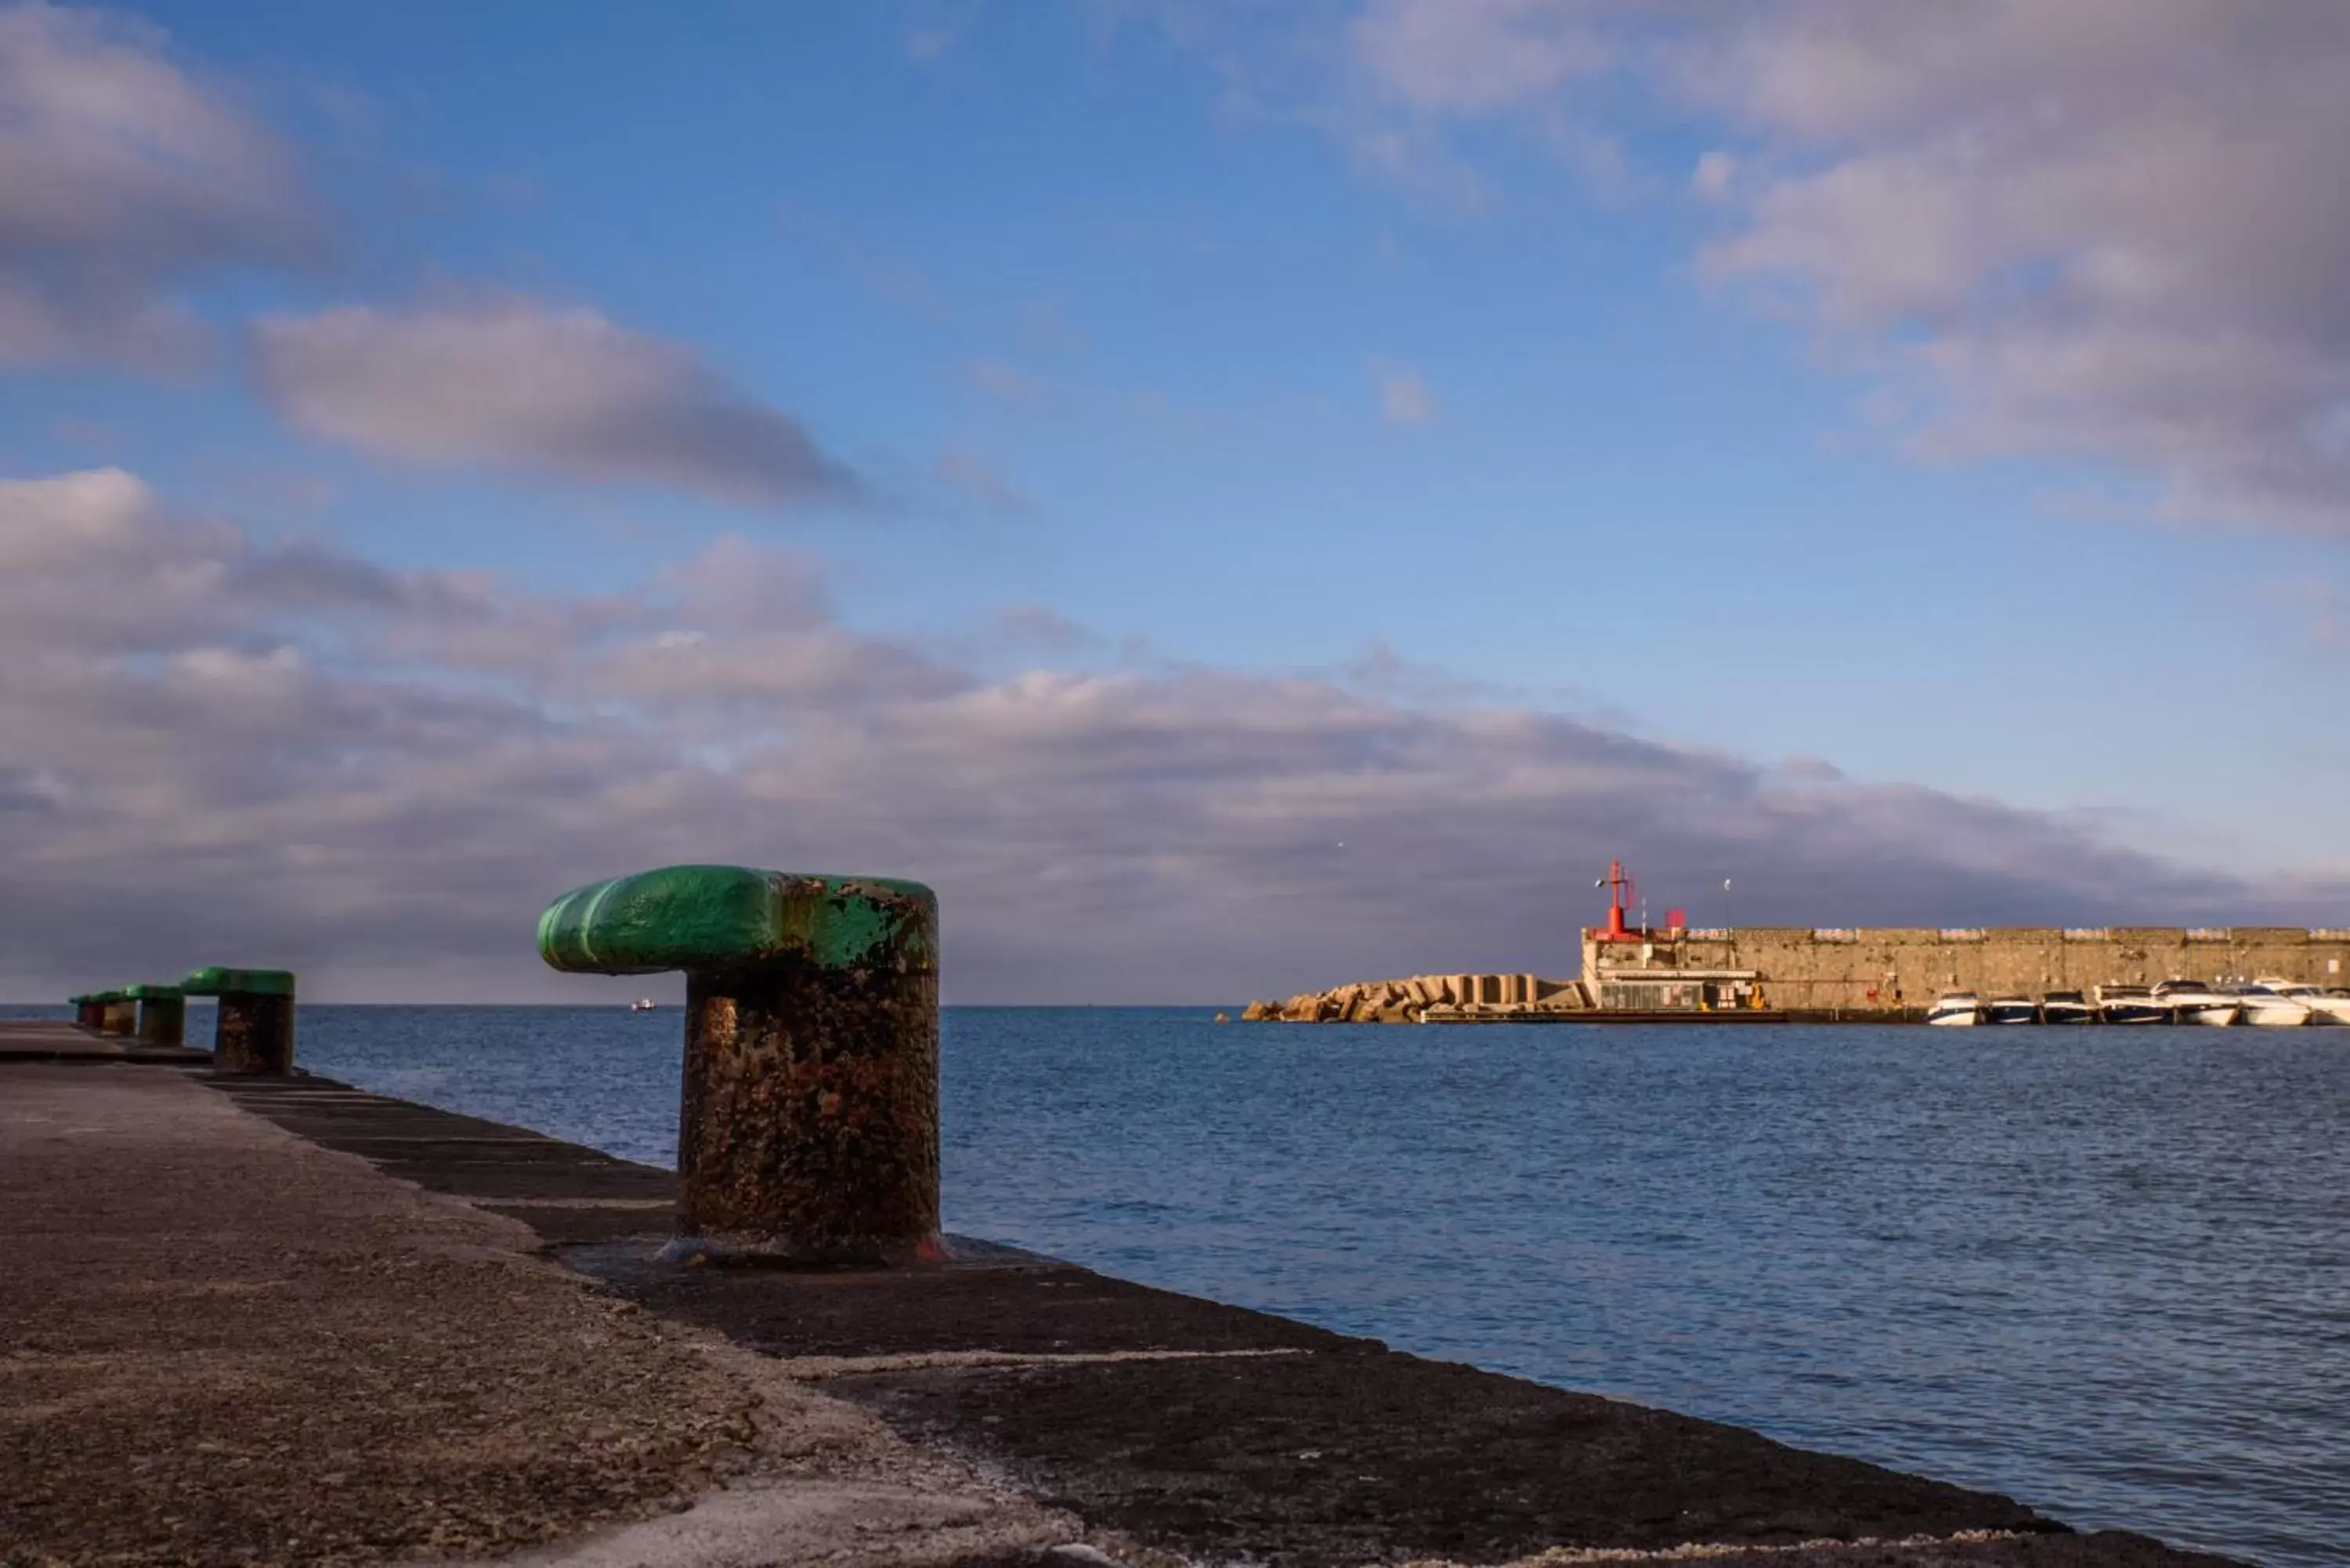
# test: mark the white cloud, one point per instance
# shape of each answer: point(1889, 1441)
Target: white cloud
point(225, 750)
point(2105, 231)
point(517, 384)
point(122, 179)
point(1711, 178)
point(1404, 397)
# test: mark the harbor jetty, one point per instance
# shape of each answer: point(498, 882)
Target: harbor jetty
point(1676, 972)
point(262, 1316)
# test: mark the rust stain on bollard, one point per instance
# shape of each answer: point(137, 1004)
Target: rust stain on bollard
point(256, 1032)
point(808, 1118)
point(117, 1013)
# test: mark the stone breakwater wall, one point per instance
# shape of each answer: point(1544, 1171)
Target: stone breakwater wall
point(1402, 1000)
point(1865, 968)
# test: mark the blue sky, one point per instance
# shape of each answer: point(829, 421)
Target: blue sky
point(1405, 348)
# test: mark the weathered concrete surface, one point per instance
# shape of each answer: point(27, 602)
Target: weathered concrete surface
point(1190, 1429)
point(40, 1040)
point(224, 1344)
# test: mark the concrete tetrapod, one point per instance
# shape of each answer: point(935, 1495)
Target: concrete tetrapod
point(808, 1127)
point(162, 1013)
point(256, 1032)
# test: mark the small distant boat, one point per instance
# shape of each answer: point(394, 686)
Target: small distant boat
point(2193, 1001)
point(2066, 1007)
point(2130, 1004)
point(641, 1005)
point(2011, 1010)
point(2266, 1007)
point(1955, 1009)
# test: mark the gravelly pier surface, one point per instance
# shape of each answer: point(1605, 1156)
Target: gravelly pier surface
point(258, 1320)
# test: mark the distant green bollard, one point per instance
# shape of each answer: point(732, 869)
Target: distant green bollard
point(117, 1013)
point(256, 1032)
point(162, 1013)
point(808, 1127)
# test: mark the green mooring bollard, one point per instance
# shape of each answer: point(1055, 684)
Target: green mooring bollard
point(808, 1124)
point(256, 1032)
point(117, 1013)
point(162, 1013)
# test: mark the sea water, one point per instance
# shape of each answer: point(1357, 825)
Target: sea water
point(2104, 1271)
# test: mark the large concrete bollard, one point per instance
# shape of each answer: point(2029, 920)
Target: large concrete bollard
point(117, 1013)
point(256, 1032)
point(808, 1127)
point(162, 1013)
point(87, 1012)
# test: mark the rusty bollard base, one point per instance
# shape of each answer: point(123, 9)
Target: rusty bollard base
point(117, 1012)
point(256, 1032)
point(808, 1124)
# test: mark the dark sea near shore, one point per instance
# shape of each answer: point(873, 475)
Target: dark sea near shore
point(2104, 1271)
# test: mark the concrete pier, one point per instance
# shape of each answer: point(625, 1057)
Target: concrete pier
point(162, 1013)
point(808, 1127)
point(255, 1029)
point(276, 1319)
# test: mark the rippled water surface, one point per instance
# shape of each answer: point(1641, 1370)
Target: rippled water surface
point(2106, 1270)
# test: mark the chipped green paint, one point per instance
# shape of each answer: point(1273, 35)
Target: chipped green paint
point(707, 917)
point(153, 993)
point(218, 981)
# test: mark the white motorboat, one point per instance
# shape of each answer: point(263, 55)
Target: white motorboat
point(641, 1005)
point(2066, 1007)
point(1955, 1008)
point(2266, 1008)
point(2193, 1001)
point(2323, 1009)
point(2130, 1004)
point(2011, 1010)
point(2337, 1002)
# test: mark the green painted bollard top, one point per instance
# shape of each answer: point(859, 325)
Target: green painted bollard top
point(116, 995)
point(218, 981)
point(152, 993)
point(707, 917)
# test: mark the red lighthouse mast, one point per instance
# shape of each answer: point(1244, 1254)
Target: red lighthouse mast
point(1620, 900)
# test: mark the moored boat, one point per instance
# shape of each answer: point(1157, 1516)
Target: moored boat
point(2193, 1001)
point(1955, 1008)
point(641, 1005)
point(2011, 1010)
point(2322, 1008)
point(2267, 1008)
point(2129, 1005)
point(2066, 1007)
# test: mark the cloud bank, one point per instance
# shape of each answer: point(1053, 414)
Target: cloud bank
point(218, 749)
point(123, 179)
point(516, 384)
